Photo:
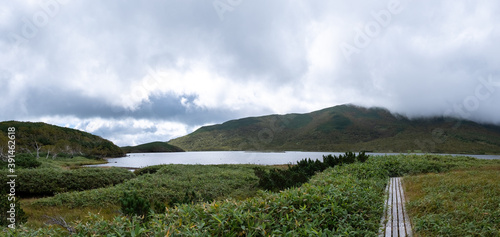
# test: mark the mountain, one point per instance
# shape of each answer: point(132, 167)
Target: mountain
point(346, 128)
point(151, 147)
point(59, 141)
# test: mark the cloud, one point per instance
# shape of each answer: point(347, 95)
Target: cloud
point(137, 72)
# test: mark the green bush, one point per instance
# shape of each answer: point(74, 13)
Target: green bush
point(49, 181)
point(159, 207)
point(27, 161)
point(278, 179)
point(148, 170)
point(22, 161)
point(132, 204)
point(169, 185)
point(189, 197)
point(294, 176)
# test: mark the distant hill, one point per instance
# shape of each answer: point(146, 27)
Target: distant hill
point(56, 141)
point(346, 128)
point(151, 147)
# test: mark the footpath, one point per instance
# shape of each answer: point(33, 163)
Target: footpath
point(396, 221)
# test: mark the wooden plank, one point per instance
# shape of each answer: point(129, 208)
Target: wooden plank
point(394, 226)
point(401, 224)
point(406, 217)
point(383, 225)
point(395, 221)
point(388, 227)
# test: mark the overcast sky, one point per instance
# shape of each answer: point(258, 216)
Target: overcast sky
point(142, 71)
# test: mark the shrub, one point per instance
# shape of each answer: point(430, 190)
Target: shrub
point(278, 179)
point(148, 170)
point(362, 157)
point(294, 176)
point(22, 161)
point(133, 205)
point(189, 197)
point(169, 185)
point(159, 207)
point(49, 181)
point(26, 161)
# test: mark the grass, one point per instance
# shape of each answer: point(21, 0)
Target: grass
point(37, 215)
point(458, 203)
point(69, 163)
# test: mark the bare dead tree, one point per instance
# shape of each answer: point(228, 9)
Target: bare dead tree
point(61, 222)
point(26, 150)
point(38, 147)
point(70, 150)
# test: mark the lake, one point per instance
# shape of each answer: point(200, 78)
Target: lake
point(139, 160)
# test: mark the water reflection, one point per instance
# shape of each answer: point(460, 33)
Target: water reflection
point(139, 160)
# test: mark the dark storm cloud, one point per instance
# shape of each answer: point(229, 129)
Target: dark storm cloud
point(165, 107)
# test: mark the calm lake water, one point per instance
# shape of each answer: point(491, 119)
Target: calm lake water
point(139, 160)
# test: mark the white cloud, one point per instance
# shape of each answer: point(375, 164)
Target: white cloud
point(123, 132)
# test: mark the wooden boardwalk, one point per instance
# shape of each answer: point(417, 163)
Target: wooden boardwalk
point(395, 222)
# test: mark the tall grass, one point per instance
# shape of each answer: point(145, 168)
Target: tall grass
point(69, 163)
point(38, 215)
point(459, 203)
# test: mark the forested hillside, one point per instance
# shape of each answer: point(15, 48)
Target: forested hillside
point(152, 147)
point(346, 128)
point(52, 141)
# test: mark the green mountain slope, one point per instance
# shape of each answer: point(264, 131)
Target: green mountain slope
point(151, 147)
point(56, 141)
point(346, 128)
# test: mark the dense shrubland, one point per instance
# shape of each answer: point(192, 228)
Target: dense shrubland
point(50, 181)
point(296, 175)
point(169, 184)
point(22, 161)
point(48, 176)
